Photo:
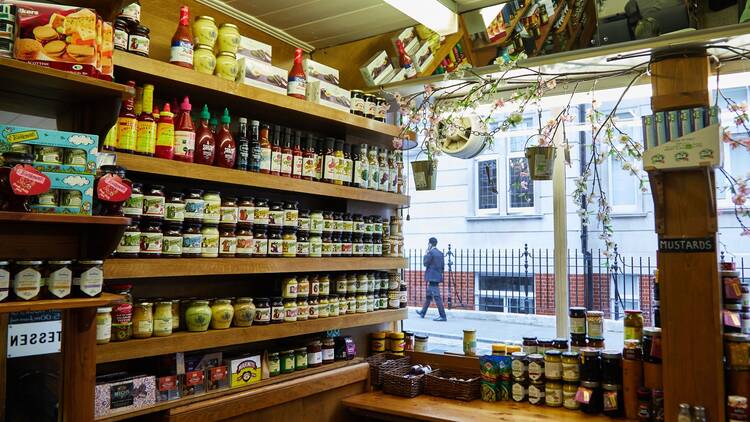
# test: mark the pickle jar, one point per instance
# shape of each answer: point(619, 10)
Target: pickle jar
point(122, 312)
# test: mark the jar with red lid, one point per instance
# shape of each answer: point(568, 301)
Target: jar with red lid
point(122, 312)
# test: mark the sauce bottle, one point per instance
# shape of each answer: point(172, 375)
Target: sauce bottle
point(308, 158)
point(184, 133)
point(297, 155)
point(181, 52)
point(286, 154)
point(329, 161)
point(338, 154)
point(297, 81)
point(127, 124)
point(356, 158)
point(145, 141)
point(205, 145)
point(319, 147)
point(276, 150)
point(255, 152)
point(213, 124)
point(165, 134)
point(372, 155)
point(226, 148)
point(110, 141)
point(243, 146)
point(265, 149)
point(348, 165)
point(405, 61)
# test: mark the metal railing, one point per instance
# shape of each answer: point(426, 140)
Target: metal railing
point(522, 280)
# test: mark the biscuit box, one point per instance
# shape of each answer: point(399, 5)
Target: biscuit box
point(378, 70)
point(61, 37)
point(254, 50)
point(53, 150)
point(123, 394)
point(329, 95)
point(320, 71)
point(68, 194)
point(244, 370)
point(265, 76)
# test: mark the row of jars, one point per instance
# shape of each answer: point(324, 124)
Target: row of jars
point(295, 286)
point(59, 279)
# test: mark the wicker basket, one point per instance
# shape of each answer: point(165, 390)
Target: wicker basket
point(439, 383)
point(398, 383)
point(384, 362)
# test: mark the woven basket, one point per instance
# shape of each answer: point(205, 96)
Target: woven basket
point(398, 383)
point(439, 383)
point(384, 362)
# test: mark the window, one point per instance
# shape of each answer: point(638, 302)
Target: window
point(520, 186)
point(736, 163)
point(506, 293)
point(624, 293)
point(486, 177)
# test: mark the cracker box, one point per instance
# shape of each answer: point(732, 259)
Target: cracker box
point(254, 50)
point(61, 37)
point(320, 71)
point(123, 393)
point(68, 194)
point(378, 70)
point(329, 95)
point(244, 370)
point(75, 151)
point(265, 76)
point(423, 57)
point(107, 51)
point(409, 37)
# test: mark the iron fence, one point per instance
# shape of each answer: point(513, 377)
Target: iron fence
point(522, 280)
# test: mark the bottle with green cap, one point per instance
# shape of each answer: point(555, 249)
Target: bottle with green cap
point(205, 145)
point(226, 151)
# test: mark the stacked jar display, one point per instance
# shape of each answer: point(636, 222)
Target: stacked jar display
point(736, 300)
point(30, 280)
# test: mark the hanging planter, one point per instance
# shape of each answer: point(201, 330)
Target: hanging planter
point(425, 174)
point(541, 162)
point(459, 139)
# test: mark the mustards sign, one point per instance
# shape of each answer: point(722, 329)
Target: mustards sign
point(687, 245)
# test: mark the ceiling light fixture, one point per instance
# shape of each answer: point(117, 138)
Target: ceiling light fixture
point(438, 15)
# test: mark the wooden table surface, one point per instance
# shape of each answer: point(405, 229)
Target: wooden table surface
point(428, 408)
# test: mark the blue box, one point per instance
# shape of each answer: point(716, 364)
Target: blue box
point(68, 141)
point(686, 122)
point(673, 125)
point(69, 194)
point(660, 122)
point(649, 131)
point(699, 118)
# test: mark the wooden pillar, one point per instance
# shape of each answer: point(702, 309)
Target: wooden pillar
point(685, 208)
point(79, 364)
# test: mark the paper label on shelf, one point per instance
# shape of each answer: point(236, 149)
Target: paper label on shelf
point(35, 338)
point(58, 282)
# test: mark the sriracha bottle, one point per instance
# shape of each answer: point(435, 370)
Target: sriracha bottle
point(205, 146)
point(184, 133)
point(226, 149)
point(165, 134)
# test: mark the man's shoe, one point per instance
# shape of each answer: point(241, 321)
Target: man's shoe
point(421, 315)
point(440, 319)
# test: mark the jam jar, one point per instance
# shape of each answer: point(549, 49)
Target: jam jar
point(291, 215)
point(174, 209)
point(303, 309)
point(194, 206)
point(316, 246)
point(27, 280)
point(262, 311)
point(192, 240)
point(276, 215)
point(290, 310)
point(303, 220)
point(328, 222)
point(590, 365)
point(133, 206)
point(227, 241)
point(303, 243)
point(260, 241)
point(275, 242)
point(130, 242)
point(122, 312)
point(246, 210)
point(277, 310)
point(536, 367)
point(553, 365)
point(154, 202)
point(244, 240)
point(210, 242)
point(172, 240)
point(102, 207)
point(58, 279)
point(151, 238)
point(9, 201)
point(212, 207)
point(289, 243)
point(611, 361)
point(229, 210)
point(317, 222)
point(261, 212)
point(138, 40)
point(88, 278)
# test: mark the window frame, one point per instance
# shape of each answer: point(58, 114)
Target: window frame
point(475, 171)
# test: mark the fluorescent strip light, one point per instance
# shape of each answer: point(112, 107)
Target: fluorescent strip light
point(430, 13)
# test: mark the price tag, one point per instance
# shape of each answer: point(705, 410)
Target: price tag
point(111, 188)
point(28, 181)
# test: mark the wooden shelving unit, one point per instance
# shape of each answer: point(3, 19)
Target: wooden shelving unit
point(509, 29)
point(73, 303)
point(185, 341)
point(160, 167)
point(544, 31)
point(180, 267)
point(445, 48)
point(29, 217)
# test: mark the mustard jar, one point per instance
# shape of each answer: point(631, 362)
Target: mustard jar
point(204, 60)
point(205, 31)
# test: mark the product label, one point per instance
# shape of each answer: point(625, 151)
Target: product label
point(570, 371)
point(181, 51)
point(275, 161)
point(577, 325)
point(316, 225)
point(327, 355)
point(4, 284)
point(286, 163)
point(554, 396)
point(212, 212)
point(194, 209)
point(370, 106)
point(385, 179)
point(277, 313)
point(27, 283)
point(347, 169)
point(260, 247)
point(262, 216)
point(127, 129)
point(262, 314)
point(308, 167)
point(595, 329)
point(163, 325)
point(569, 400)
point(610, 400)
point(518, 392)
point(229, 215)
point(138, 44)
point(184, 143)
point(289, 248)
point(290, 314)
point(518, 368)
point(121, 39)
point(314, 358)
point(245, 214)
point(165, 135)
point(374, 177)
point(210, 245)
point(151, 243)
point(535, 370)
point(330, 165)
point(265, 159)
point(153, 206)
point(275, 247)
point(245, 245)
point(633, 333)
point(297, 163)
point(377, 249)
point(122, 313)
point(357, 104)
point(103, 329)
point(316, 249)
point(360, 173)
point(536, 394)
point(145, 141)
point(394, 181)
point(134, 205)
point(174, 211)
point(297, 86)
point(553, 370)
point(130, 243)
point(171, 245)
point(191, 243)
point(318, 167)
point(58, 282)
point(90, 281)
point(228, 245)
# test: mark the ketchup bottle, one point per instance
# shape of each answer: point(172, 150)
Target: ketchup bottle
point(205, 146)
point(226, 153)
point(165, 134)
point(184, 133)
point(404, 60)
point(286, 154)
point(297, 80)
point(297, 155)
point(181, 52)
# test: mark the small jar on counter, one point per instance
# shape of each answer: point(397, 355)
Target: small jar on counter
point(519, 367)
point(595, 323)
point(577, 320)
point(529, 345)
point(570, 367)
point(536, 368)
point(611, 362)
point(553, 364)
point(569, 396)
point(613, 401)
point(536, 393)
point(590, 368)
point(593, 391)
point(553, 393)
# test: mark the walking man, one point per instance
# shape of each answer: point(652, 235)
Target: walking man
point(433, 275)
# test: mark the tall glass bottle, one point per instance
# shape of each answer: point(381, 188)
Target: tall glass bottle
point(374, 166)
point(145, 141)
point(243, 146)
point(276, 150)
point(255, 151)
point(127, 124)
point(226, 148)
point(265, 149)
point(181, 51)
point(338, 154)
point(297, 80)
point(205, 144)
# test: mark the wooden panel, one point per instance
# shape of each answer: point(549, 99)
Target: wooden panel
point(429, 408)
point(3, 362)
point(249, 401)
point(27, 217)
point(447, 361)
point(186, 341)
point(79, 364)
point(509, 31)
point(157, 166)
point(170, 267)
point(72, 303)
point(674, 88)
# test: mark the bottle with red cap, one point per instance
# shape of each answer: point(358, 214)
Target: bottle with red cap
point(205, 146)
point(297, 81)
point(226, 148)
point(165, 134)
point(181, 51)
point(404, 60)
point(184, 133)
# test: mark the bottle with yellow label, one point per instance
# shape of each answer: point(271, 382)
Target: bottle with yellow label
point(145, 143)
point(110, 141)
point(165, 134)
point(127, 125)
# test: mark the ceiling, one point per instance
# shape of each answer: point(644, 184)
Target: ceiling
point(324, 23)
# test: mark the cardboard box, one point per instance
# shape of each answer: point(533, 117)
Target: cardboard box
point(244, 370)
point(123, 393)
point(107, 51)
point(254, 50)
point(68, 141)
point(62, 37)
point(399, 75)
point(409, 37)
point(217, 378)
point(329, 95)
point(169, 388)
point(378, 70)
point(423, 57)
point(320, 72)
point(265, 76)
point(69, 194)
point(193, 383)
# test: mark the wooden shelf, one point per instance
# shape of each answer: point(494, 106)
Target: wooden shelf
point(445, 48)
point(44, 305)
point(250, 101)
point(161, 167)
point(546, 28)
point(162, 406)
point(30, 217)
point(185, 341)
point(508, 30)
point(166, 267)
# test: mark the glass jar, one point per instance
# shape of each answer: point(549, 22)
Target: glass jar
point(317, 222)
point(358, 224)
point(303, 244)
point(260, 241)
point(553, 364)
point(88, 278)
point(569, 396)
point(229, 213)
point(577, 317)
point(590, 368)
point(303, 286)
point(194, 206)
point(276, 215)
point(341, 284)
point(571, 367)
point(336, 244)
point(577, 342)
point(290, 310)
point(377, 245)
point(351, 307)
point(227, 241)
point(277, 310)
point(287, 361)
point(154, 202)
point(316, 246)
point(313, 283)
point(328, 222)
point(210, 241)
point(560, 344)
point(275, 242)
point(122, 312)
point(212, 207)
point(246, 210)
point(611, 362)
point(229, 38)
point(244, 240)
point(592, 391)
point(198, 316)
point(361, 303)
point(303, 220)
point(553, 393)
point(192, 240)
point(327, 246)
point(323, 309)
point(633, 324)
point(314, 354)
point(343, 305)
point(163, 319)
point(274, 364)
point(737, 350)
point(262, 210)
point(222, 313)
point(289, 287)
point(595, 323)
point(370, 303)
point(204, 60)
point(327, 350)
point(262, 311)
point(536, 392)
point(300, 358)
point(103, 325)
point(143, 320)
point(595, 343)
point(536, 368)
point(518, 366)
point(367, 247)
point(58, 279)
point(303, 308)
point(518, 391)
point(133, 206)
point(333, 305)
point(289, 243)
point(171, 245)
point(175, 315)
point(152, 238)
point(244, 312)
point(291, 215)
point(205, 31)
point(613, 403)
point(174, 209)
point(529, 345)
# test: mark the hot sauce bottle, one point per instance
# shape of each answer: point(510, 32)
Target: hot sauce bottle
point(213, 124)
point(276, 151)
point(329, 161)
point(286, 154)
point(319, 148)
point(127, 124)
point(184, 133)
point(243, 146)
point(297, 155)
point(348, 165)
point(297, 80)
point(338, 163)
point(254, 146)
point(265, 149)
point(165, 134)
point(205, 145)
point(145, 142)
point(308, 158)
point(405, 61)
point(226, 149)
point(181, 52)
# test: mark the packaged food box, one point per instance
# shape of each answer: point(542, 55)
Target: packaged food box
point(423, 57)
point(254, 50)
point(168, 387)
point(193, 383)
point(107, 51)
point(53, 150)
point(265, 76)
point(410, 39)
point(399, 75)
point(123, 393)
point(68, 194)
point(217, 377)
point(320, 71)
point(62, 37)
point(244, 370)
point(378, 70)
point(329, 95)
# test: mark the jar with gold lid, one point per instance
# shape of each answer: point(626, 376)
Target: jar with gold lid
point(205, 32)
point(143, 320)
point(163, 319)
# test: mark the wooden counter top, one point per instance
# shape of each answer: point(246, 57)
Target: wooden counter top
point(428, 408)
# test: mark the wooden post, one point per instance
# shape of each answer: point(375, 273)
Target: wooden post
point(79, 364)
point(685, 208)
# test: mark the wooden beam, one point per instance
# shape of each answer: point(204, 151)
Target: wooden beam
point(79, 364)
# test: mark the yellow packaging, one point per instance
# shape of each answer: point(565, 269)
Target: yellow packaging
point(127, 128)
point(245, 370)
